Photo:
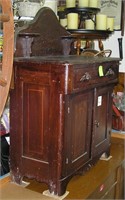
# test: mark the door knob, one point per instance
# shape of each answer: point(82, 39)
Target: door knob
point(96, 123)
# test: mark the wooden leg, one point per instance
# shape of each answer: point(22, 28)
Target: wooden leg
point(78, 46)
point(16, 177)
point(100, 44)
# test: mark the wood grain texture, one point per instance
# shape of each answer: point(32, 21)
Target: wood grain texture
point(8, 51)
point(58, 129)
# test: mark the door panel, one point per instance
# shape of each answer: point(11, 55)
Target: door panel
point(102, 119)
point(78, 129)
point(35, 122)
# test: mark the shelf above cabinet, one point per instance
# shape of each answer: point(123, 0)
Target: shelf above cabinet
point(89, 34)
point(84, 10)
point(81, 33)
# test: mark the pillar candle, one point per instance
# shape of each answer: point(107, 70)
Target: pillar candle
point(70, 3)
point(89, 24)
point(51, 4)
point(110, 23)
point(72, 21)
point(63, 22)
point(83, 3)
point(93, 3)
point(101, 22)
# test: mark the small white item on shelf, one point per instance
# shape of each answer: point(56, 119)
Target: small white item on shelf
point(89, 24)
point(83, 3)
point(110, 23)
point(63, 22)
point(70, 3)
point(101, 22)
point(93, 3)
point(72, 21)
point(52, 4)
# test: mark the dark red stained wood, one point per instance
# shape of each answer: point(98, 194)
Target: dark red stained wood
point(43, 35)
point(54, 133)
point(54, 107)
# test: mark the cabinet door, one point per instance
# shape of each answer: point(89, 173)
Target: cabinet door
point(78, 130)
point(102, 118)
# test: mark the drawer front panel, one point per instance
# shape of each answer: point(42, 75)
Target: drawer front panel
point(106, 186)
point(95, 74)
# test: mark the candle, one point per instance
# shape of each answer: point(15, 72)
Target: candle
point(93, 3)
point(51, 4)
point(89, 24)
point(101, 22)
point(70, 3)
point(72, 21)
point(63, 22)
point(83, 3)
point(110, 23)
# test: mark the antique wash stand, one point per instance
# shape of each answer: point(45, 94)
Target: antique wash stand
point(60, 107)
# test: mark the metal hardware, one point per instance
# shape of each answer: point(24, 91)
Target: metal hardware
point(68, 110)
point(110, 72)
point(67, 160)
point(85, 77)
point(96, 123)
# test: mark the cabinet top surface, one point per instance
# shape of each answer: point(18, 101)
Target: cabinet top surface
point(71, 60)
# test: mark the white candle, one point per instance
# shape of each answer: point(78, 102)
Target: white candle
point(51, 4)
point(93, 3)
point(70, 3)
point(89, 24)
point(72, 21)
point(101, 22)
point(63, 22)
point(83, 3)
point(110, 23)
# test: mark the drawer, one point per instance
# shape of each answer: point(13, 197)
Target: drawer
point(95, 74)
point(104, 188)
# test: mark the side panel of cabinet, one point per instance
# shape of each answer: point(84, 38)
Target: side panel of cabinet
point(30, 128)
point(35, 121)
point(78, 130)
point(102, 120)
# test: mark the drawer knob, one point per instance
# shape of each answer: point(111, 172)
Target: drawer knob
point(110, 72)
point(85, 77)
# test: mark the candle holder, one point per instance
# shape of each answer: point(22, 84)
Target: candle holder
point(84, 13)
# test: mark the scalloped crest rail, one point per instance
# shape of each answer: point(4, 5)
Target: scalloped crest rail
point(6, 17)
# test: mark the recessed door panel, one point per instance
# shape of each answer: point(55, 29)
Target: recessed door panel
point(35, 122)
point(78, 129)
point(102, 119)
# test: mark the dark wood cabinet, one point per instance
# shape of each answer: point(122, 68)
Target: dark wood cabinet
point(60, 117)
point(60, 106)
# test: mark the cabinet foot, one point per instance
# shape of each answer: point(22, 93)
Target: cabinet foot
point(58, 188)
point(48, 194)
point(16, 178)
point(105, 157)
